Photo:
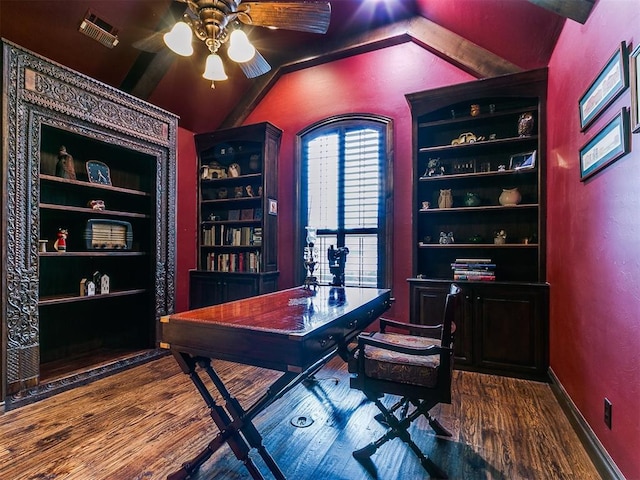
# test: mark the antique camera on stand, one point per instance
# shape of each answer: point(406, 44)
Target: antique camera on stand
point(337, 259)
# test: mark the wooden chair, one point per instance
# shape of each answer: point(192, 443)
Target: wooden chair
point(416, 367)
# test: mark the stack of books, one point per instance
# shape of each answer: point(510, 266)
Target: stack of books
point(474, 269)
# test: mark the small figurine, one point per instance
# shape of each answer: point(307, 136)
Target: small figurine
point(500, 238)
point(60, 244)
point(104, 284)
point(254, 162)
point(434, 168)
point(446, 238)
point(249, 190)
point(238, 192)
point(234, 170)
point(65, 167)
point(96, 204)
point(525, 124)
point(445, 199)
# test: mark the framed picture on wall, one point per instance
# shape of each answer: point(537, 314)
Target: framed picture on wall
point(608, 85)
point(608, 145)
point(634, 67)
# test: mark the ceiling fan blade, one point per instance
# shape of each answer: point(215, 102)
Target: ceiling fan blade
point(152, 43)
point(311, 17)
point(255, 67)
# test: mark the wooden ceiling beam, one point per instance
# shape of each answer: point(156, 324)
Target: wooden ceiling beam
point(578, 10)
point(438, 40)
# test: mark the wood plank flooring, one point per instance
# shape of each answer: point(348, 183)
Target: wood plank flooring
point(145, 422)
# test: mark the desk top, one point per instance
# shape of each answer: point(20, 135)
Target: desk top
point(280, 330)
point(296, 311)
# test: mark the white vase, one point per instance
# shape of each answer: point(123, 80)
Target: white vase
point(510, 196)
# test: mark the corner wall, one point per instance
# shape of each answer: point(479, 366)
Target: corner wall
point(593, 238)
point(375, 83)
point(186, 228)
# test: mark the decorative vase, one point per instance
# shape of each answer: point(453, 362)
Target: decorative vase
point(471, 200)
point(510, 196)
point(445, 200)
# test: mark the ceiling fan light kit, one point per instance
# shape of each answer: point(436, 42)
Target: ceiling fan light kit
point(214, 69)
point(240, 48)
point(210, 20)
point(179, 39)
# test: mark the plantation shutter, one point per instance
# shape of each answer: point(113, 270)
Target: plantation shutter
point(343, 194)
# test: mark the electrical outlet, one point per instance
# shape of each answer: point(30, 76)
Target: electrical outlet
point(607, 412)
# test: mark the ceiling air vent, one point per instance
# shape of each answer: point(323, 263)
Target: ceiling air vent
point(101, 31)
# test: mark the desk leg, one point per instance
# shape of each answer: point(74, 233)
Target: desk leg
point(247, 427)
point(227, 434)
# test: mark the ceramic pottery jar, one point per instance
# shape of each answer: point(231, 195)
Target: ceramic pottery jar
point(510, 196)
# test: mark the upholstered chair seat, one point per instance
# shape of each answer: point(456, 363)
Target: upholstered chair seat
point(394, 366)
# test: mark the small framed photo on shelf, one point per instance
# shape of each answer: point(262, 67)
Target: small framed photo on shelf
point(608, 145)
point(608, 85)
point(522, 161)
point(634, 67)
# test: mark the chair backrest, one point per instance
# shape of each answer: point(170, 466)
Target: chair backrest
point(451, 306)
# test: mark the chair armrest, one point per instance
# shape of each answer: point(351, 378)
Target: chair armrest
point(385, 322)
point(369, 339)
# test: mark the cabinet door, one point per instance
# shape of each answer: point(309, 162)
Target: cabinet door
point(210, 288)
point(511, 327)
point(427, 307)
point(236, 288)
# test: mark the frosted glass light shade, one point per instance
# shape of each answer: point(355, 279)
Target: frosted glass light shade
point(214, 70)
point(240, 49)
point(179, 39)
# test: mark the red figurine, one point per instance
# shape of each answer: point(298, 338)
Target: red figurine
point(60, 244)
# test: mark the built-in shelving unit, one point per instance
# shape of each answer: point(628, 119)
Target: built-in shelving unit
point(237, 213)
point(60, 331)
point(476, 144)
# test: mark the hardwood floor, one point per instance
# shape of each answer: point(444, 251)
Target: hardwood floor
point(145, 422)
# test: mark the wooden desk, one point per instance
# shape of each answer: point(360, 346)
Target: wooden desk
point(295, 331)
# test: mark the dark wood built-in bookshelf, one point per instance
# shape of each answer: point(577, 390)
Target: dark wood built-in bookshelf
point(57, 335)
point(476, 141)
point(237, 214)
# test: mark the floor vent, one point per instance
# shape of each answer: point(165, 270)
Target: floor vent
point(101, 31)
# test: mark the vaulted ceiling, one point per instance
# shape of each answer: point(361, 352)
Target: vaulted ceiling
point(484, 37)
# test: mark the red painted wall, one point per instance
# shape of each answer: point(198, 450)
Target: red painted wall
point(186, 216)
point(593, 227)
point(594, 241)
point(369, 83)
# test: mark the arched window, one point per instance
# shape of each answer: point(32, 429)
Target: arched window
point(345, 183)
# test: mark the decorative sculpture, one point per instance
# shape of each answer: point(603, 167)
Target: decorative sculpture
point(337, 259)
point(65, 167)
point(60, 244)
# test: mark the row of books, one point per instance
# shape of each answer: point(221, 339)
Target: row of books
point(221, 235)
point(245, 214)
point(233, 262)
point(474, 269)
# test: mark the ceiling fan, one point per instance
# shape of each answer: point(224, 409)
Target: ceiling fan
point(216, 22)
